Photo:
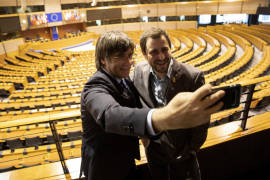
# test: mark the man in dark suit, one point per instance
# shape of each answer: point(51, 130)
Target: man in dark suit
point(113, 117)
point(173, 156)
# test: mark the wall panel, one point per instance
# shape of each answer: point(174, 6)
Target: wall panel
point(131, 27)
point(69, 28)
point(262, 3)
point(84, 1)
point(167, 25)
point(2, 50)
point(186, 24)
point(34, 2)
point(142, 26)
point(230, 7)
point(96, 29)
point(52, 6)
point(207, 7)
point(145, 26)
point(148, 10)
point(12, 45)
point(4, 3)
point(68, 1)
point(167, 9)
point(186, 9)
point(116, 27)
point(250, 7)
point(34, 33)
point(130, 12)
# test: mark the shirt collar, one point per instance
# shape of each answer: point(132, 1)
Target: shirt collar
point(169, 70)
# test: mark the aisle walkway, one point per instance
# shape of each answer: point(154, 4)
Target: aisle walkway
point(84, 47)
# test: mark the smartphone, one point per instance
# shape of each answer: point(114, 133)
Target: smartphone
point(231, 99)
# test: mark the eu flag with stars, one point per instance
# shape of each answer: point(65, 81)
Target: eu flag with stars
point(54, 17)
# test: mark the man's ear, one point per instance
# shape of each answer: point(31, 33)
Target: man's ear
point(102, 62)
point(145, 56)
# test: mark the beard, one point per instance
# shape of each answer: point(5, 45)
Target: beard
point(161, 66)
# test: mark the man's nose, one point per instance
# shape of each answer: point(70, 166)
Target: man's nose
point(131, 61)
point(161, 56)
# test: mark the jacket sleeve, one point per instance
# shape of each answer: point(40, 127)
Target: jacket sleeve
point(199, 133)
point(110, 115)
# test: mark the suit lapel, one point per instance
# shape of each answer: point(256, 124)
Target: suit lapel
point(177, 81)
point(172, 86)
point(143, 86)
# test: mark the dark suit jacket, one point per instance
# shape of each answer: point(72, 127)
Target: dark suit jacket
point(184, 78)
point(112, 122)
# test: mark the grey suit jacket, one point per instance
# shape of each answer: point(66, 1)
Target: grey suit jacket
point(184, 78)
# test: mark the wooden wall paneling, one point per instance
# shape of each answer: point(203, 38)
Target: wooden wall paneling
point(2, 51)
point(51, 33)
point(130, 12)
point(230, 7)
point(84, 1)
point(142, 26)
point(101, 30)
point(262, 3)
point(148, 10)
point(148, 25)
point(207, 7)
point(68, 1)
point(4, 3)
point(167, 9)
point(51, 24)
point(131, 27)
point(33, 33)
point(69, 28)
point(96, 29)
point(12, 45)
point(34, 2)
point(52, 6)
point(167, 25)
point(116, 27)
point(250, 7)
point(186, 24)
point(84, 26)
point(186, 9)
point(39, 26)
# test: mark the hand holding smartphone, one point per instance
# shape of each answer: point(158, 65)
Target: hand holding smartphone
point(232, 96)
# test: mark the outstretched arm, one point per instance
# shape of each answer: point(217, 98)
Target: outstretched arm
point(187, 109)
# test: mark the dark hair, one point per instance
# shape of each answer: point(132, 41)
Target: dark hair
point(110, 43)
point(153, 33)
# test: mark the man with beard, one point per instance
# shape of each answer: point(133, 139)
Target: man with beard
point(113, 117)
point(173, 155)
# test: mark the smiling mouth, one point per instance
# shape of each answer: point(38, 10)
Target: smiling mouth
point(161, 63)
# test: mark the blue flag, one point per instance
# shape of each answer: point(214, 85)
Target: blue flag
point(54, 17)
